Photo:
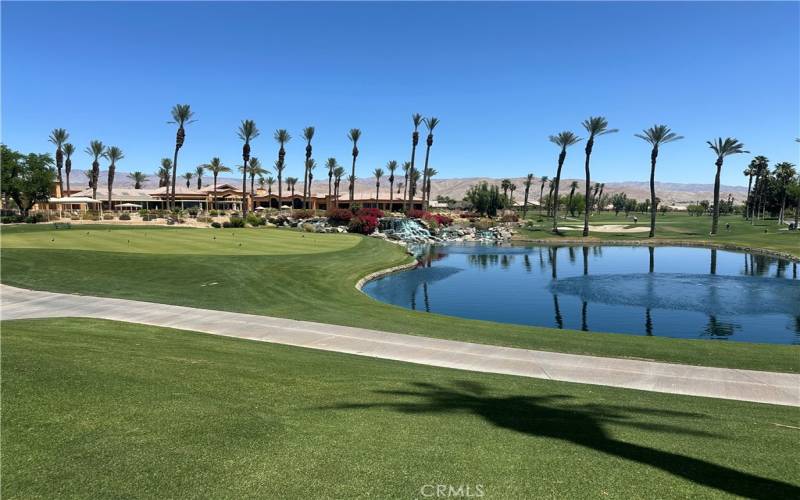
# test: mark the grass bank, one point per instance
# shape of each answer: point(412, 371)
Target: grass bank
point(299, 284)
point(102, 409)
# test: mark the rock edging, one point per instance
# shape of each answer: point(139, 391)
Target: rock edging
point(384, 272)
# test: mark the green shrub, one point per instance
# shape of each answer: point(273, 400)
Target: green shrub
point(124, 216)
point(216, 225)
point(213, 213)
point(254, 220)
point(12, 219)
point(91, 215)
point(235, 222)
point(108, 216)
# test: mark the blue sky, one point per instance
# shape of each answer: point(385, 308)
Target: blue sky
point(501, 77)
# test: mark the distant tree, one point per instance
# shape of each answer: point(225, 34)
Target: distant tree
point(308, 134)
point(96, 149)
point(216, 167)
point(188, 176)
point(485, 199)
point(59, 137)
point(722, 148)
point(541, 192)
point(198, 174)
point(416, 118)
point(378, 173)
point(354, 135)
point(246, 132)
point(113, 154)
point(138, 178)
point(430, 124)
point(391, 167)
point(595, 126)
point(619, 201)
point(331, 165)
point(69, 150)
point(573, 186)
point(181, 115)
point(527, 183)
point(784, 174)
point(26, 179)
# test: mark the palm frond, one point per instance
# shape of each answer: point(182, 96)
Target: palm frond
point(308, 133)
point(248, 131)
point(58, 136)
point(565, 139)
point(354, 135)
point(181, 114)
point(430, 123)
point(282, 136)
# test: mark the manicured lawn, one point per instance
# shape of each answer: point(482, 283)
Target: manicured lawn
point(178, 241)
point(675, 227)
point(100, 409)
point(320, 287)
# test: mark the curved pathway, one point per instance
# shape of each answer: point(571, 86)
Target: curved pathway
point(744, 385)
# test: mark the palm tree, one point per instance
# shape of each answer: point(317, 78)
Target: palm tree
point(391, 167)
point(216, 167)
point(354, 135)
point(198, 173)
point(254, 169)
point(552, 185)
point(181, 115)
point(784, 173)
point(311, 164)
point(279, 170)
point(505, 184)
point(600, 197)
point(188, 176)
point(431, 172)
point(430, 124)
point(729, 146)
point(761, 164)
point(138, 179)
point(112, 154)
point(406, 171)
point(88, 174)
point(595, 126)
point(164, 174)
point(416, 118)
point(69, 149)
point(527, 183)
point(58, 137)
point(247, 132)
point(544, 180)
point(95, 150)
point(291, 182)
point(308, 134)
point(338, 172)
point(270, 182)
point(413, 179)
point(281, 136)
point(573, 186)
point(590, 204)
point(749, 172)
point(656, 136)
point(378, 173)
point(563, 140)
point(331, 165)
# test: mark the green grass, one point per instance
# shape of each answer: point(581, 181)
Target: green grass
point(190, 241)
point(320, 287)
point(101, 409)
point(675, 228)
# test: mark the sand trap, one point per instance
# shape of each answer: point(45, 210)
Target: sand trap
point(610, 228)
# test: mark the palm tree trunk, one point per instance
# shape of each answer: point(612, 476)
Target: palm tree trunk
point(280, 189)
point(252, 189)
point(330, 179)
point(353, 182)
point(653, 157)
point(215, 190)
point(715, 217)
point(377, 193)
point(561, 157)
point(588, 207)
point(749, 203)
point(244, 190)
point(391, 192)
point(171, 201)
point(783, 206)
point(797, 211)
point(541, 198)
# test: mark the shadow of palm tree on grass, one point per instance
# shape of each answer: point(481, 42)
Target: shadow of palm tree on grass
point(547, 416)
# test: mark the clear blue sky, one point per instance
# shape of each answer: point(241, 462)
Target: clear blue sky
point(501, 77)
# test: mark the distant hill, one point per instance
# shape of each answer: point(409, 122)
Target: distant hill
point(670, 192)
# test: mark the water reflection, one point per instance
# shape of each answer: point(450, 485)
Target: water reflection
point(696, 293)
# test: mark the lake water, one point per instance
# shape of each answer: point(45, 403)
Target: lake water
point(677, 292)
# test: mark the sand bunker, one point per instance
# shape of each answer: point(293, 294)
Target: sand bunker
point(610, 228)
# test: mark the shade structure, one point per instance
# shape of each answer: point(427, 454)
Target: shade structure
point(260, 208)
point(128, 205)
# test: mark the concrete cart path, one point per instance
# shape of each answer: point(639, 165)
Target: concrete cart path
point(744, 385)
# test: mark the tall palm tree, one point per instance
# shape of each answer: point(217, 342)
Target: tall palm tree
point(563, 140)
point(181, 115)
point(281, 136)
point(573, 186)
point(527, 183)
point(308, 134)
point(391, 167)
point(544, 180)
point(198, 174)
point(406, 170)
point(354, 135)
point(69, 149)
point(430, 124)
point(416, 118)
point(331, 165)
point(95, 150)
point(164, 174)
point(112, 154)
point(279, 171)
point(413, 180)
point(431, 172)
point(247, 132)
point(600, 197)
point(761, 164)
point(784, 173)
point(216, 167)
point(88, 174)
point(138, 179)
point(656, 136)
point(270, 181)
point(188, 176)
point(58, 137)
point(749, 172)
point(595, 126)
point(338, 172)
point(378, 173)
point(721, 148)
point(505, 184)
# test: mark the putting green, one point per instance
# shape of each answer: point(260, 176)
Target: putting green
point(179, 241)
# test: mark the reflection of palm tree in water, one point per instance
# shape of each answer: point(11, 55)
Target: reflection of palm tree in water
point(648, 317)
point(648, 322)
point(584, 323)
point(527, 263)
point(559, 318)
point(553, 417)
point(717, 328)
point(425, 297)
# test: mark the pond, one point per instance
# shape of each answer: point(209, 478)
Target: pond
point(679, 292)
